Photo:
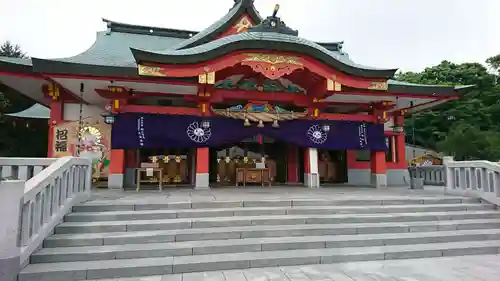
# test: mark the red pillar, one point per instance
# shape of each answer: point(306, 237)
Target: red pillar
point(116, 168)
point(202, 165)
point(307, 162)
point(378, 169)
point(292, 163)
point(131, 158)
point(56, 117)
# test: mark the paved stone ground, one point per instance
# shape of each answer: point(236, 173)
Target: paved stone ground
point(468, 268)
point(258, 193)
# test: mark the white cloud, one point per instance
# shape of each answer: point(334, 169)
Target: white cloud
point(409, 34)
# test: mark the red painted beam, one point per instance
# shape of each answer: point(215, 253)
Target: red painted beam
point(132, 108)
point(346, 117)
point(223, 94)
point(108, 94)
point(152, 80)
point(232, 59)
point(20, 74)
point(196, 111)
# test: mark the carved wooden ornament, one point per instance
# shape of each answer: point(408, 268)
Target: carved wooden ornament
point(272, 66)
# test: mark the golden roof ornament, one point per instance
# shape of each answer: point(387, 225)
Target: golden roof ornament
point(274, 24)
point(276, 9)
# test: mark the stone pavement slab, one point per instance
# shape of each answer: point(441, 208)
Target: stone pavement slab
point(257, 193)
point(466, 268)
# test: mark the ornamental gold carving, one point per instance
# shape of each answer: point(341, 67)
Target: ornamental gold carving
point(272, 66)
point(207, 78)
point(53, 91)
point(273, 59)
point(211, 78)
point(333, 85)
point(380, 86)
point(146, 70)
point(202, 78)
point(243, 25)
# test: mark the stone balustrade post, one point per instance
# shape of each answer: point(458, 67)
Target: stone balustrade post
point(11, 202)
point(447, 159)
point(448, 173)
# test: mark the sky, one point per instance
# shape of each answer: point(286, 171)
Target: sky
point(405, 34)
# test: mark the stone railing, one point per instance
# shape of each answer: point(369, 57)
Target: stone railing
point(31, 209)
point(474, 178)
point(22, 168)
point(431, 175)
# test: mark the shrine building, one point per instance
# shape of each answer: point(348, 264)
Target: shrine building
point(244, 101)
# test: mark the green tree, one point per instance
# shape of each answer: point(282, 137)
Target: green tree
point(18, 137)
point(469, 127)
point(7, 49)
point(494, 63)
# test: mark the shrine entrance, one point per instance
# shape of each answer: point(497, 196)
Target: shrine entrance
point(258, 152)
point(175, 165)
point(332, 166)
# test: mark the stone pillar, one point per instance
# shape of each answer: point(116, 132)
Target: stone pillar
point(11, 196)
point(447, 159)
point(311, 176)
point(116, 173)
point(202, 164)
point(378, 169)
point(449, 174)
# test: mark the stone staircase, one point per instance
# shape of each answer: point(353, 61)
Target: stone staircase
point(102, 240)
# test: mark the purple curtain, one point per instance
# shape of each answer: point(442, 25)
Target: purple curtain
point(186, 131)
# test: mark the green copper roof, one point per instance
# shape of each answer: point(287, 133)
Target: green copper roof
point(37, 111)
point(16, 65)
point(259, 41)
point(112, 49)
point(412, 88)
point(109, 55)
point(21, 61)
point(109, 49)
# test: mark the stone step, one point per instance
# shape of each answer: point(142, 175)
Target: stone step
point(72, 271)
point(260, 211)
point(260, 231)
point(103, 206)
point(134, 251)
point(168, 224)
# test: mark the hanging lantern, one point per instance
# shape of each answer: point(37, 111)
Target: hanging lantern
point(276, 124)
point(247, 123)
point(261, 124)
point(109, 118)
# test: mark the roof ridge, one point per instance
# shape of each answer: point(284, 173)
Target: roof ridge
point(208, 34)
point(114, 26)
point(257, 41)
